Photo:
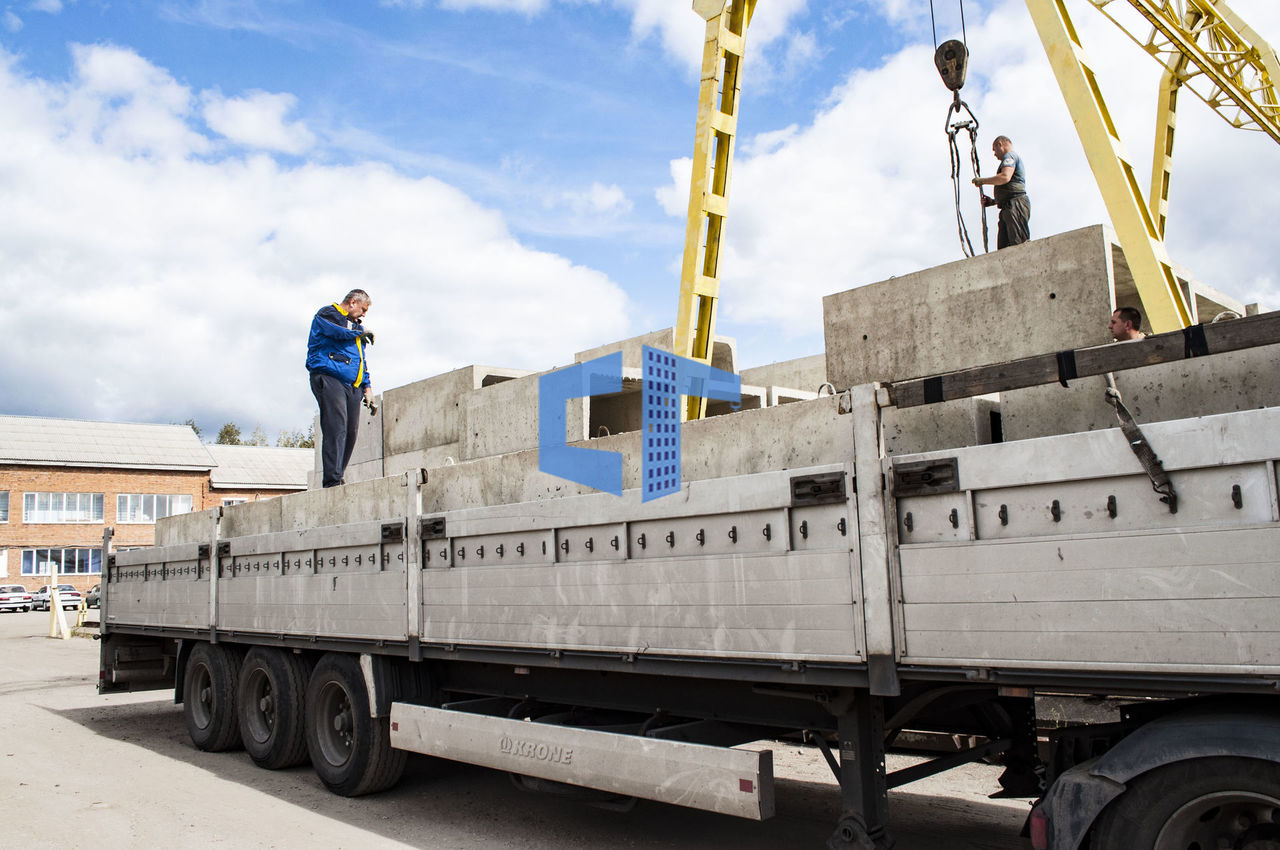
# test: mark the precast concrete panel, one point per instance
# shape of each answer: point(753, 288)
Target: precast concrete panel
point(195, 527)
point(258, 517)
point(427, 413)
point(503, 418)
point(1049, 295)
point(1234, 380)
point(961, 422)
point(365, 500)
point(803, 373)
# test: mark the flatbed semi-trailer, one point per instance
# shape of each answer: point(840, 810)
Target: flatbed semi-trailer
point(603, 645)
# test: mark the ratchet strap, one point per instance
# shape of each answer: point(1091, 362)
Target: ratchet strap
point(1142, 449)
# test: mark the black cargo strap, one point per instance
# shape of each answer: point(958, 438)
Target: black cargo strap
point(1067, 366)
point(1142, 450)
point(1194, 343)
point(933, 390)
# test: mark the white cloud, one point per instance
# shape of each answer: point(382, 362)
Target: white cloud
point(258, 120)
point(863, 192)
point(123, 104)
point(53, 7)
point(11, 21)
point(598, 200)
point(160, 281)
point(527, 7)
point(680, 31)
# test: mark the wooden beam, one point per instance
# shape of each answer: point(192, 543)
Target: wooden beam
point(1194, 341)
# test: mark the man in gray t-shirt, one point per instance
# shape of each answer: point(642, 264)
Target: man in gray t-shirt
point(1010, 186)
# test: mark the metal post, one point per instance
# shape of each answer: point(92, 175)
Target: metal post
point(413, 561)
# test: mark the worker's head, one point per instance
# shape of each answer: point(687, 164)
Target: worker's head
point(1001, 146)
point(356, 303)
point(1126, 324)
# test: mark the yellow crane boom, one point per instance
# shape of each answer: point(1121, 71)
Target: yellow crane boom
point(709, 186)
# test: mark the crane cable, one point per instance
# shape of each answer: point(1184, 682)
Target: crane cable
point(951, 59)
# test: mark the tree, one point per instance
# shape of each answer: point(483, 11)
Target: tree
point(257, 438)
point(296, 439)
point(229, 435)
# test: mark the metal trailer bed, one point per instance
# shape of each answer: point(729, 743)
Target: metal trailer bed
point(845, 600)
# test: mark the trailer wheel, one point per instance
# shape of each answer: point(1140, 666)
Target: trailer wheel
point(1206, 803)
point(209, 697)
point(269, 700)
point(350, 751)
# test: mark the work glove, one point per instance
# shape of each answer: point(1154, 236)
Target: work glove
point(372, 405)
point(367, 337)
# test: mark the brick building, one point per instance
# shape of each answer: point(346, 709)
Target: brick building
point(63, 482)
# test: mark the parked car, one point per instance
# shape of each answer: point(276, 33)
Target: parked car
point(93, 598)
point(15, 597)
point(67, 595)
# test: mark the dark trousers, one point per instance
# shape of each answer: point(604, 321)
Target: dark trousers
point(1014, 227)
point(339, 424)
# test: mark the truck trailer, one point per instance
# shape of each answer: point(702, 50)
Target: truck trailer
point(807, 582)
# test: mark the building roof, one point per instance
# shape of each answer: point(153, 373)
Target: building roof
point(74, 442)
point(260, 467)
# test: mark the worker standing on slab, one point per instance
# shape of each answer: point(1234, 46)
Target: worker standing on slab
point(1009, 184)
point(340, 378)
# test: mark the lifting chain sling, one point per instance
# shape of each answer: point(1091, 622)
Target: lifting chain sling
point(952, 61)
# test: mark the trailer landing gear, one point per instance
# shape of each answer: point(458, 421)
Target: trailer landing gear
point(864, 790)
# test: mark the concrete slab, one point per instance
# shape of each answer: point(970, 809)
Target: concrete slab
point(366, 471)
point(786, 395)
point(367, 500)
point(750, 398)
point(803, 373)
point(504, 418)
point(195, 527)
point(427, 413)
point(1045, 295)
point(797, 435)
point(724, 350)
point(431, 458)
point(258, 517)
point(1236, 380)
point(951, 424)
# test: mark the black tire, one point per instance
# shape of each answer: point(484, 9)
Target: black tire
point(269, 703)
point(1196, 803)
point(209, 697)
point(350, 751)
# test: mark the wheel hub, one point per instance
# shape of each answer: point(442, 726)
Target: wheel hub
point(1224, 820)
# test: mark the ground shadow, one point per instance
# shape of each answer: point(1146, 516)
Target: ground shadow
point(483, 808)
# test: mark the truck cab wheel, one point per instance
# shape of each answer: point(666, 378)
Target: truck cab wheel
point(269, 701)
point(209, 697)
point(350, 751)
point(1205, 803)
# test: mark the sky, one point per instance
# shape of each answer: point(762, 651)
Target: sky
point(183, 184)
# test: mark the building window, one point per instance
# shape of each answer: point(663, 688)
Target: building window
point(61, 507)
point(43, 562)
point(132, 508)
point(4, 505)
point(226, 503)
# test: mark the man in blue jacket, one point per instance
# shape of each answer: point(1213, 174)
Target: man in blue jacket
point(339, 378)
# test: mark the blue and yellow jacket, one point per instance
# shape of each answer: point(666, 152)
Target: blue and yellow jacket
point(334, 346)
